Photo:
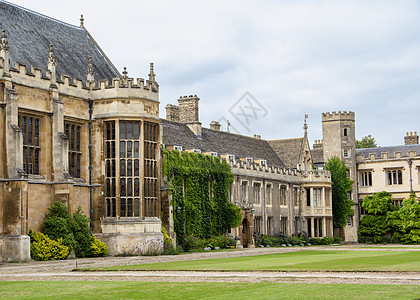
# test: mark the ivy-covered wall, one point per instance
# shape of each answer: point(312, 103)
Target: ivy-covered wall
point(199, 185)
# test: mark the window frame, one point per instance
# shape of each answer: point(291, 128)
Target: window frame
point(74, 148)
point(31, 140)
point(256, 193)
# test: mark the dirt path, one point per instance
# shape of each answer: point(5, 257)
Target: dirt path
point(62, 270)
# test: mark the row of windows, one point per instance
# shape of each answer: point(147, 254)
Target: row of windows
point(268, 194)
point(283, 225)
point(30, 127)
point(393, 177)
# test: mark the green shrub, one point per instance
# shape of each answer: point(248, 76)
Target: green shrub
point(74, 230)
point(193, 243)
point(98, 248)
point(168, 244)
point(222, 241)
point(295, 240)
point(57, 224)
point(81, 232)
point(325, 240)
point(44, 248)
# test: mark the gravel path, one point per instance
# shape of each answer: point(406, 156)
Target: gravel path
point(62, 270)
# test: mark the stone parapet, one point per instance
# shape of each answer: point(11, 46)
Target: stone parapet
point(118, 88)
point(340, 115)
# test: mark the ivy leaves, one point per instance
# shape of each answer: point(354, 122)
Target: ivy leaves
point(342, 207)
point(200, 194)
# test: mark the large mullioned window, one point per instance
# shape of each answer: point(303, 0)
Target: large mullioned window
point(130, 169)
point(110, 170)
point(151, 138)
point(30, 127)
point(124, 159)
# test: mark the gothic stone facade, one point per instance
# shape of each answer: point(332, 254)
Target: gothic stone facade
point(274, 184)
point(73, 130)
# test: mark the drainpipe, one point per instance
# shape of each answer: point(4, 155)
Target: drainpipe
point(410, 165)
point(90, 166)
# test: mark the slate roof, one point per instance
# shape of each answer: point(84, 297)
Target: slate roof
point(317, 155)
point(391, 149)
point(29, 35)
point(288, 150)
point(241, 146)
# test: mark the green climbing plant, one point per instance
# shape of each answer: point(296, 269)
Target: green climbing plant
point(199, 186)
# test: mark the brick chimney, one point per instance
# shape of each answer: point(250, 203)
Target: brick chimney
point(214, 125)
point(411, 139)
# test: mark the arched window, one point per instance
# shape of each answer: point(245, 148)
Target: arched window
point(345, 132)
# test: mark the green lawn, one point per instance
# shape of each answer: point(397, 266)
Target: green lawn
point(304, 260)
point(167, 290)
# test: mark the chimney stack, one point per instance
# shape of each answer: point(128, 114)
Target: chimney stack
point(214, 125)
point(172, 112)
point(188, 113)
point(411, 139)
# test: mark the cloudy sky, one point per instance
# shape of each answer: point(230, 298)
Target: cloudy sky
point(263, 64)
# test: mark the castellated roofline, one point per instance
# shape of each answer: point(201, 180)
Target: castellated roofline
point(119, 87)
point(386, 155)
point(340, 115)
point(279, 173)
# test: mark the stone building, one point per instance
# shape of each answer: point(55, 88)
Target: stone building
point(274, 184)
point(75, 130)
point(395, 169)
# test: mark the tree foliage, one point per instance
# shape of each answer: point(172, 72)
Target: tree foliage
point(200, 194)
point(366, 142)
point(406, 221)
point(376, 223)
point(383, 219)
point(341, 185)
point(378, 204)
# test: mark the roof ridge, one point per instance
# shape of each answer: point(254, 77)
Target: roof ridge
point(40, 15)
point(298, 138)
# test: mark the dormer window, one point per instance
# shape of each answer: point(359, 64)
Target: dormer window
point(263, 163)
point(249, 161)
point(178, 148)
point(196, 150)
point(231, 158)
point(214, 154)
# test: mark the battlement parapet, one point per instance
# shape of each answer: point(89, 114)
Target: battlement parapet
point(317, 175)
point(376, 156)
point(243, 165)
point(119, 88)
point(340, 115)
point(188, 98)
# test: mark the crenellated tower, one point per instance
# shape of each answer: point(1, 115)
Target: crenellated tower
point(338, 131)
